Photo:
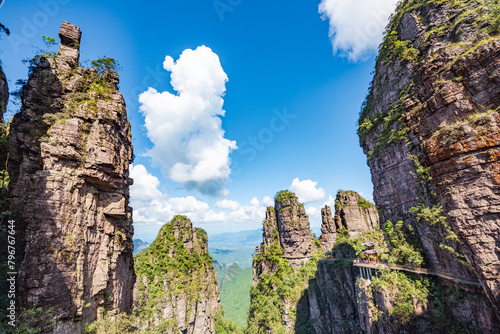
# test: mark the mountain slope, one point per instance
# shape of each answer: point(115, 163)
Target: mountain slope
point(235, 293)
point(176, 288)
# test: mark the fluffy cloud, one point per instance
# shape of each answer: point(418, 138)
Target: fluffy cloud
point(267, 201)
point(313, 211)
point(152, 207)
point(330, 201)
point(185, 128)
point(356, 27)
point(306, 191)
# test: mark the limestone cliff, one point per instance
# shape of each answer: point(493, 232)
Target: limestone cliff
point(293, 228)
point(430, 129)
point(339, 301)
point(69, 167)
point(328, 229)
point(176, 288)
point(287, 259)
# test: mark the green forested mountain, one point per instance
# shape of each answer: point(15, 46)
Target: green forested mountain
point(235, 292)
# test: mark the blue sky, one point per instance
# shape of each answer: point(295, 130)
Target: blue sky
point(286, 114)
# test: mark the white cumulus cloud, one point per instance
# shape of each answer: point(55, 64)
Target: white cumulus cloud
point(153, 208)
point(186, 128)
point(267, 201)
point(356, 27)
point(306, 191)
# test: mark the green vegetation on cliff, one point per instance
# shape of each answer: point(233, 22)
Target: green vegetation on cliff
point(176, 285)
point(417, 304)
point(176, 264)
point(277, 292)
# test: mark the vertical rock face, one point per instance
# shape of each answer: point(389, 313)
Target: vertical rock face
point(282, 268)
point(4, 92)
point(71, 150)
point(430, 128)
point(331, 302)
point(293, 226)
point(354, 213)
point(4, 99)
point(176, 288)
point(328, 229)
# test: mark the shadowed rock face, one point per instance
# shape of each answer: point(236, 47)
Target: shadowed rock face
point(72, 148)
point(431, 131)
point(293, 228)
point(328, 229)
point(4, 93)
point(178, 268)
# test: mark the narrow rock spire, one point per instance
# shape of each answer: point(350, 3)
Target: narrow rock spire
point(70, 42)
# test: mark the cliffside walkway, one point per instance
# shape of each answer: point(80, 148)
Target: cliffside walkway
point(415, 270)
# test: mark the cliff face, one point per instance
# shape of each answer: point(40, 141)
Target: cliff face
point(293, 228)
point(354, 213)
point(4, 100)
point(430, 128)
point(70, 153)
point(4, 92)
point(176, 288)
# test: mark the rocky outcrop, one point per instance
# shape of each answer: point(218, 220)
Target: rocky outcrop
point(4, 92)
point(281, 268)
point(328, 229)
point(69, 168)
point(294, 229)
point(354, 213)
point(176, 288)
point(287, 229)
point(430, 128)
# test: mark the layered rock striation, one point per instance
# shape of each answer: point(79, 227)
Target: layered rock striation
point(328, 229)
point(293, 227)
point(430, 129)
point(4, 100)
point(282, 268)
point(69, 168)
point(176, 288)
point(4, 92)
point(354, 213)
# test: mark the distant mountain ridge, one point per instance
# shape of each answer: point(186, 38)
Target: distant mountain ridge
point(230, 239)
point(234, 247)
point(139, 246)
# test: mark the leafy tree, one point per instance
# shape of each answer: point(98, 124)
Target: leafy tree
point(105, 64)
point(49, 43)
point(401, 250)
